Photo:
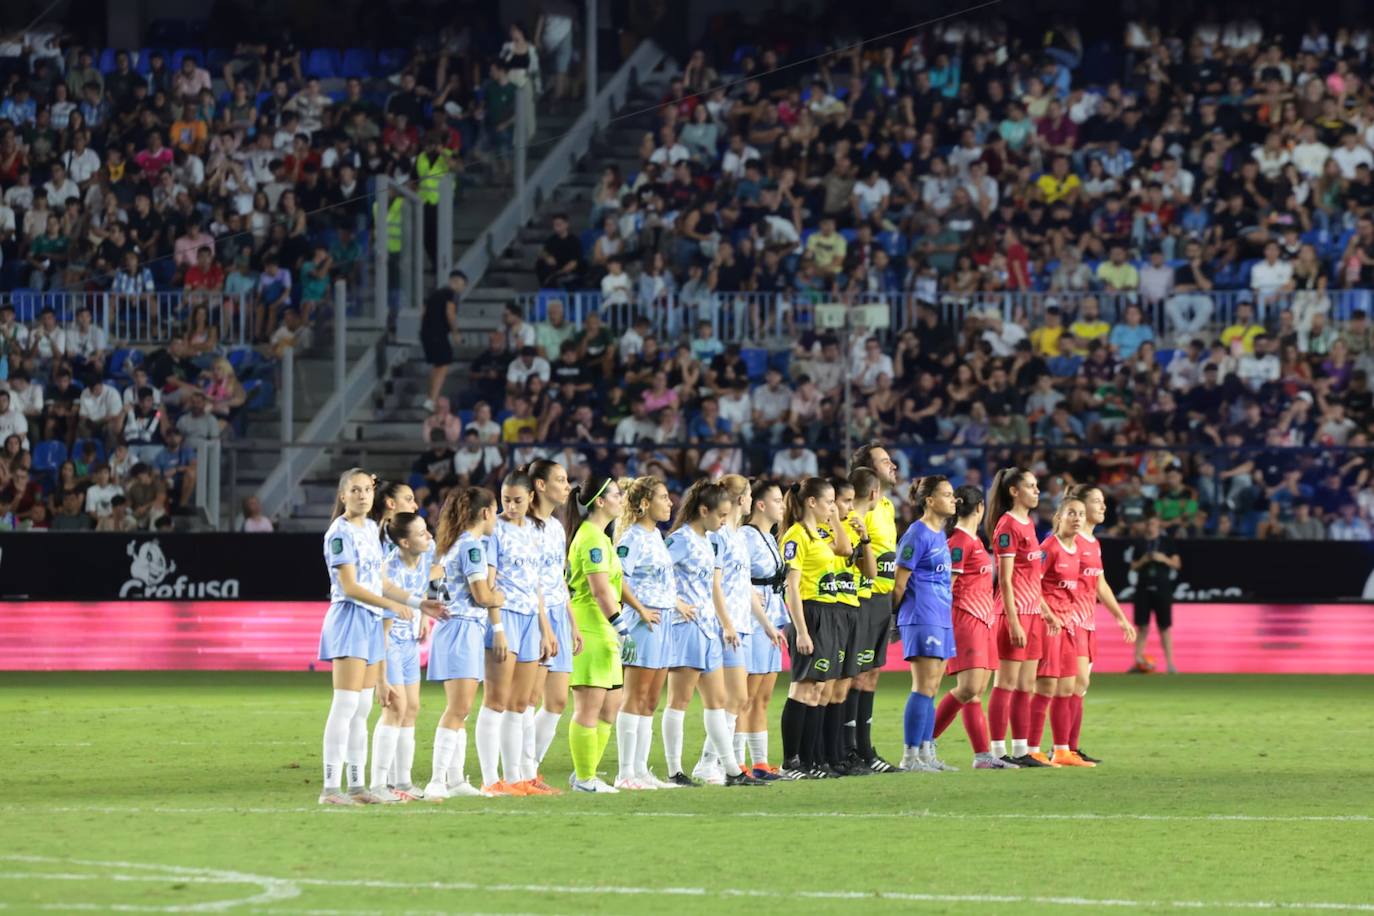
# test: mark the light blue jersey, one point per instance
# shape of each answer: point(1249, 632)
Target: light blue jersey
point(553, 555)
point(515, 551)
point(647, 567)
point(695, 560)
point(416, 582)
point(765, 562)
point(360, 547)
point(465, 562)
point(734, 579)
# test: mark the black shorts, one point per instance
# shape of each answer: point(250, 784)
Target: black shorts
point(1160, 603)
point(823, 664)
point(438, 349)
point(875, 617)
point(848, 617)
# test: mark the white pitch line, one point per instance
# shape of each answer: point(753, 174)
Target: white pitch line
point(272, 890)
point(500, 810)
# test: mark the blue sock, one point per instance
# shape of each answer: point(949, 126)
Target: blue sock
point(928, 718)
point(914, 719)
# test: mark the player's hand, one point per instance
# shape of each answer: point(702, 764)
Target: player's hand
point(499, 647)
point(432, 608)
point(804, 644)
point(1053, 624)
point(629, 652)
point(857, 523)
point(651, 617)
point(731, 638)
point(1018, 633)
point(403, 612)
point(548, 647)
point(499, 597)
point(577, 642)
point(775, 636)
point(1128, 632)
point(687, 611)
point(388, 695)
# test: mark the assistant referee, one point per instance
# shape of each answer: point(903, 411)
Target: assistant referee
point(1156, 566)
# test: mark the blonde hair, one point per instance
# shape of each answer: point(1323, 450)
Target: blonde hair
point(637, 492)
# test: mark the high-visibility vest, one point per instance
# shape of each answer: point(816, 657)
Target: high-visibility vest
point(395, 214)
point(429, 172)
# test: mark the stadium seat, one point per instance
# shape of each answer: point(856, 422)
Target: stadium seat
point(261, 394)
point(464, 417)
point(79, 446)
point(48, 456)
point(849, 235)
point(322, 63)
point(215, 59)
point(359, 62)
point(106, 64)
point(389, 60)
point(243, 359)
point(1164, 357)
point(122, 362)
point(26, 302)
point(755, 362)
point(141, 64)
point(781, 361)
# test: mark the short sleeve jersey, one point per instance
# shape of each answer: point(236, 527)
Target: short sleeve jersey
point(810, 553)
point(359, 547)
point(863, 586)
point(1061, 580)
point(734, 578)
point(928, 595)
point(765, 563)
point(1017, 539)
point(972, 566)
point(881, 522)
point(845, 572)
point(415, 581)
point(465, 563)
point(553, 557)
point(515, 552)
point(591, 552)
point(1090, 569)
point(647, 567)
point(695, 561)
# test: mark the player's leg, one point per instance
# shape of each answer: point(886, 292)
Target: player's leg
point(1142, 629)
point(1164, 619)
point(682, 683)
point(401, 776)
point(347, 677)
point(518, 770)
point(553, 702)
point(1061, 716)
point(627, 726)
point(714, 695)
point(648, 705)
point(448, 776)
point(385, 737)
point(356, 755)
point(583, 737)
point(495, 694)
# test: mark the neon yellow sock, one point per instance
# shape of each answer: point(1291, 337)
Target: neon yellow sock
point(583, 743)
point(603, 738)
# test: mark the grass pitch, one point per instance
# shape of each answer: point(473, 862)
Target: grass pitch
point(177, 792)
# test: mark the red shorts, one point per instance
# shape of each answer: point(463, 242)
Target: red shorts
point(975, 642)
point(1034, 625)
point(1085, 643)
point(1061, 656)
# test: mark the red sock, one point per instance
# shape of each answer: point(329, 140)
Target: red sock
point(1039, 708)
point(1061, 720)
point(948, 709)
point(999, 712)
point(977, 726)
point(1077, 721)
point(1021, 715)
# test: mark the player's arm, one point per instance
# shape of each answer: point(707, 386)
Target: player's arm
point(864, 556)
point(1108, 597)
point(348, 583)
point(899, 582)
point(404, 600)
point(1006, 565)
point(1052, 620)
point(718, 599)
point(599, 584)
point(756, 608)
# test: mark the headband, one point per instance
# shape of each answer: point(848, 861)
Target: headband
point(606, 482)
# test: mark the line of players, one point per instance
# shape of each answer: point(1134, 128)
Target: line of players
point(539, 598)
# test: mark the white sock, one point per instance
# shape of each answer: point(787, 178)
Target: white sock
point(405, 756)
point(489, 745)
point(1033, 749)
point(341, 710)
point(643, 744)
point(1018, 747)
point(531, 763)
point(458, 759)
point(513, 746)
point(998, 748)
point(736, 740)
point(1061, 747)
point(718, 735)
point(384, 738)
point(445, 740)
point(627, 743)
point(758, 746)
point(672, 739)
point(545, 727)
point(356, 756)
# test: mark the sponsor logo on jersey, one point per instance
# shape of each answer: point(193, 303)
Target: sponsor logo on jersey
point(1036, 555)
point(821, 664)
point(887, 566)
point(150, 569)
point(594, 554)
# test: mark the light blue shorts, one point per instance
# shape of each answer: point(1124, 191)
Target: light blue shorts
point(689, 647)
point(927, 642)
point(522, 635)
point(764, 656)
point(736, 658)
point(651, 643)
point(562, 631)
point(352, 631)
point(403, 662)
point(457, 651)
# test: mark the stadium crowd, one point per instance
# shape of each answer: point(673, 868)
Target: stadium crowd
point(1154, 281)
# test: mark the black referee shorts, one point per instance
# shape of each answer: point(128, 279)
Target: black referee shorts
point(1161, 604)
point(849, 618)
point(823, 664)
point(875, 617)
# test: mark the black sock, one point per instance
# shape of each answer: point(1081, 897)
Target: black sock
point(793, 724)
point(816, 723)
point(834, 732)
point(810, 728)
point(864, 724)
point(851, 723)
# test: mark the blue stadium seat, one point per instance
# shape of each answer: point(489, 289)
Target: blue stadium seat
point(894, 243)
point(27, 303)
point(106, 64)
point(79, 446)
point(781, 361)
point(359, 62)
point(1164, 357)
point(48, 456)
point(261, 394)
point(849, 235)
point(464, 417)
point(242, 359)
point(389, 60)
point(322, 63)
point(588, 238)
point(215, 59)
point(755, 362)
point(120, 366)
point(906, 148)
point(741, 53)
point(141, 64)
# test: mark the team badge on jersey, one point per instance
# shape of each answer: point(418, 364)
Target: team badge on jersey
point(956, 554)
point(474, 555)
point(595, 554)
point(1004, 540)
point(336, 545)
point(622, 551)
point(906, 553)
point(668, 542)
point(789, 550)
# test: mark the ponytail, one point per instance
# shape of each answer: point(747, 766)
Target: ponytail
point(580, 503)
point(922, 489)
point(399, 524)
point(999, 501)
point(387, 490)
point(967, 501)
point(638, 492)
point(703, 494)
point(538, 470)
point(462, 509)
point(794, 500)
point(758, 491)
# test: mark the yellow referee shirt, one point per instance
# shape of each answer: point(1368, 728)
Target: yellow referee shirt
point(881, 522)
point(821, 571)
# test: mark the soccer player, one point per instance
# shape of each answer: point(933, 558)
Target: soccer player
point(880, 521)
point(594, 577)
point(1020, 624)
point(699, 634)
point(513, 550)
point(456, 653)
point(551, 491)
point(768, 575)
point(352, 638)
point(1058, 668)
point(649, 594)
point(814, 569)
point(924, 596)
point(970, 567)
point(409, 564)
point(1094, 588)
point(840, 754)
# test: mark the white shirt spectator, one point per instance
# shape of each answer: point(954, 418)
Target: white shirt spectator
point(131, 395)
point(867, 372)
point(983, 192)
point(50, 344)
point(520, 336)
point(772, 405)
point(86, 344)
point(1254, 371)
point(735, 408)
point(631, 430)
point(467, 460)
point(668, 156)
point(1184, 372)
point(520, 371)
point(1310, 158)
point(58, 195)
point(488, 432)
point(98, 498)
point(1268, 278)
point(615, 289)
point(100, 403)
point(7, 224)
point(630, 343)
point(81, 166)
point(1357, 529)
point(1156, 283)
point(732, 163)
point(789, 466)
point(14, 423)
point(961, 156)
point(871, 196)
point(1346, 157)
point(1004, 339)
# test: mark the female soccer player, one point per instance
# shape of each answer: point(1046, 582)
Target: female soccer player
point(701, 627)
point(456, 654)
point(513, 550)
point(392, 497)
point(924, 597)
point(841, 741)
point(409, 564)
point(594, 578)
point(880, 521)
point(551, 679)
point(1020, 624)
point(1058, 668)
point(974, 638)
point(816, 570)
point(649, 593)
point(352, 637)
point(1094, 588)
point(768, 575)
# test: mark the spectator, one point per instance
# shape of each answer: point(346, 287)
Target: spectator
point(1348, 526)
point(1126, 338)
point(795, 463)
point(1117, 274)
point(253, 521)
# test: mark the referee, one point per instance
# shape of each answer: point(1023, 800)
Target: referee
point(1156, 566)
point(880, 519)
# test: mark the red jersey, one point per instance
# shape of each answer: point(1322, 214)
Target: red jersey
point(1062, 577)
point(1090, 567)
point(1017, 539)
point(973, 582)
